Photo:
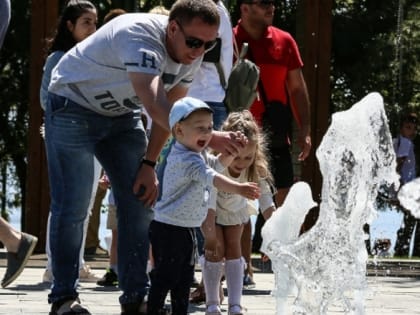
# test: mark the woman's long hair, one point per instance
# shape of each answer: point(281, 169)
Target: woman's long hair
point(63, 39)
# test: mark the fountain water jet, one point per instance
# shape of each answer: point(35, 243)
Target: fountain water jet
point(409, 197)
point(327, 264)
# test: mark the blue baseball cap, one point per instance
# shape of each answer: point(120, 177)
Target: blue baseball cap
point(183, 107)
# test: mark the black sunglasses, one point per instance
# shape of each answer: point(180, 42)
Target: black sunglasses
point(265, 4)
point(196, 43)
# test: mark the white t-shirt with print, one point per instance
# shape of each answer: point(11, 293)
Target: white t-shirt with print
point(94, 73)
point(186, 186)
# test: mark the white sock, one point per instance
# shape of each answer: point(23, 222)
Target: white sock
point(213, 308)
point(212, 274)
point(234, 271)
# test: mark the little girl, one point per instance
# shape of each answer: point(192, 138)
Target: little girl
point(223, 243)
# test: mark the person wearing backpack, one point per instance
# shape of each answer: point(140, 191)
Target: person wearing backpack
point(280, 100)
point(209, 86)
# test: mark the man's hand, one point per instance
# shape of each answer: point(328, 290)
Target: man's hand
point(146, 185)
point(228, 143)
point(304, 141)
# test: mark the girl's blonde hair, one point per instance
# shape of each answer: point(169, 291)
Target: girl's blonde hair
point(159, 9)
point(244, 122)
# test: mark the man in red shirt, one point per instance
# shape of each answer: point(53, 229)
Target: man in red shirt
point(282, 96)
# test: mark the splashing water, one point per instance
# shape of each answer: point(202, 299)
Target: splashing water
point(409, 196)
point(327, 264)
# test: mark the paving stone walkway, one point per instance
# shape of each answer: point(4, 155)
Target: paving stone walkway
point(389, 294)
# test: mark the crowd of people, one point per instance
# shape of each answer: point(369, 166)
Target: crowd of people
point(195, 197)
point(144, 63)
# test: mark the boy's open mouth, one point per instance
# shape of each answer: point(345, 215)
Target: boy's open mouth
point(201, 143)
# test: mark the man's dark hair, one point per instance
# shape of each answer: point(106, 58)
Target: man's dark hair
point(408, 118)
point(239, 2)
point(184, 11)
point(113, 14)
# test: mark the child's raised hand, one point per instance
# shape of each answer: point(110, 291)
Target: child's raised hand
point(250, 190)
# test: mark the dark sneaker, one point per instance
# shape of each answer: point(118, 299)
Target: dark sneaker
point(135, 308)
point(248, 282)
point(68, 307)
point(164, 311)
point(110, 279)
point(96, 251)
point(17, 261)
point(198, 296)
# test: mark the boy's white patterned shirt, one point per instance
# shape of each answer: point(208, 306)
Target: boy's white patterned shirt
point(186, 185)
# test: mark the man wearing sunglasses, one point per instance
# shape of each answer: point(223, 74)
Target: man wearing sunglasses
point(282, 96)
point(95, 96)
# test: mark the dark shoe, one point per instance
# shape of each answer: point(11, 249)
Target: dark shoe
point(198, 296)
point(110, 279)
point(17, 261)
point(68, 307)
point(96, 251)
point(134, 308)
point(248, 282)
point(162, 311)
point(131, 309)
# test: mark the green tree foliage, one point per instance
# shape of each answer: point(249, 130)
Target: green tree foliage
point(14, 87)
point(369, 53)
point(368, 56)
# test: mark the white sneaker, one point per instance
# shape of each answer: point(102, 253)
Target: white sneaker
point(213, 309)
point(85, 275)
point(47, 276)
point(236, 310)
